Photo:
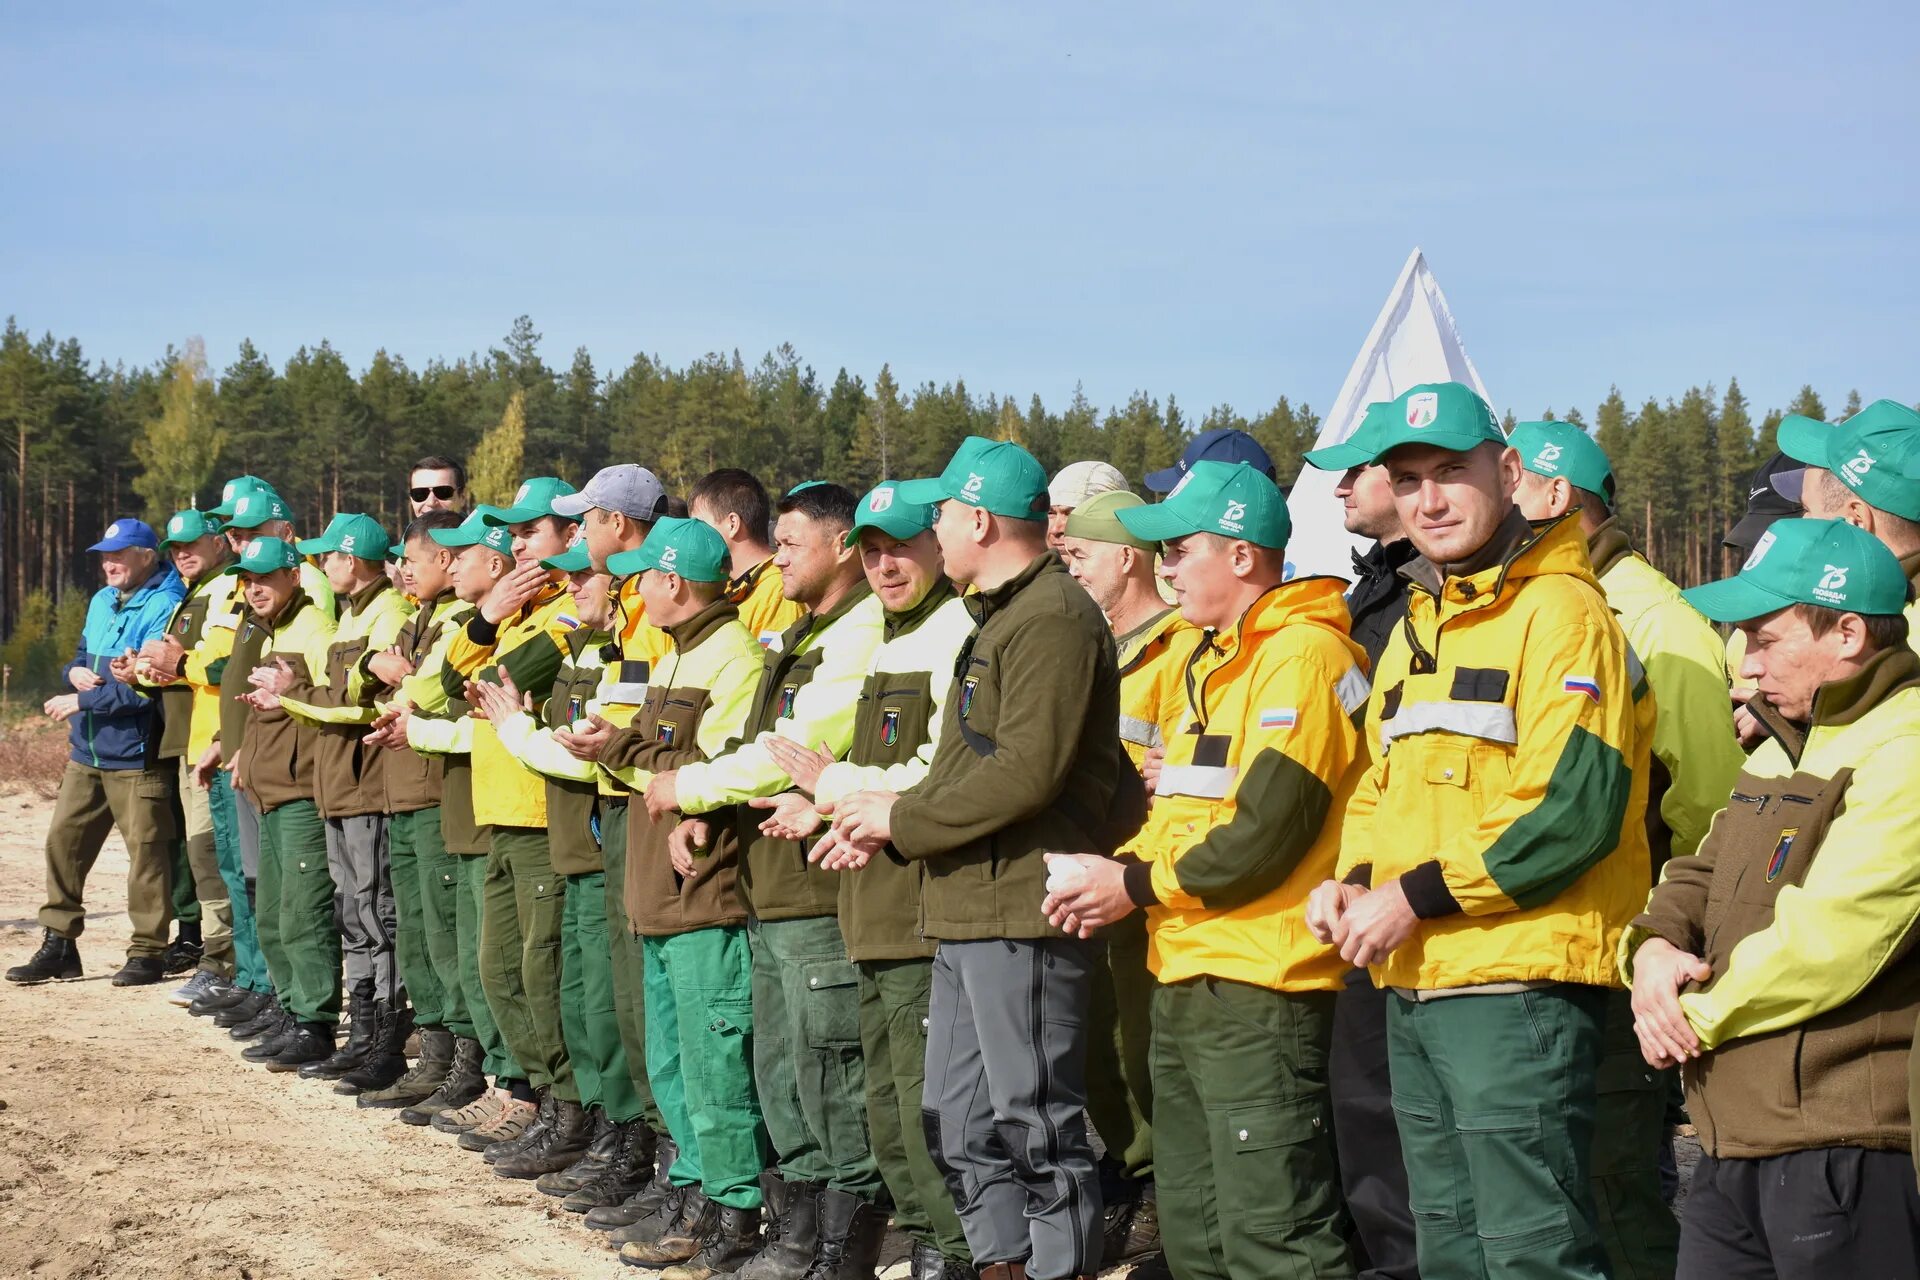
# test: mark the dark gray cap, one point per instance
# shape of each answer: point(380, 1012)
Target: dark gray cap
point(628, 488)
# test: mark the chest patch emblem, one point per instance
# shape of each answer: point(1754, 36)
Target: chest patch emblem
point(1585, 686)
point(787, 695)
point(1778, 862)
point(967, 688)
point(889, 726)
point(1278, 718)
point(665, 732)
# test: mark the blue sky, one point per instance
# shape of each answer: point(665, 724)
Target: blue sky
point(1208, 200)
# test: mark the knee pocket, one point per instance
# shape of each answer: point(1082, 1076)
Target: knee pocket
point(1263, 1151)
point(831, 1004)
point(1521, 1194)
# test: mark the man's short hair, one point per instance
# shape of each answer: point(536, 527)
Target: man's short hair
point(731, 491)
point(434, 462)
point(676, 507)
point(1594, 502)
point(829, 504)
point(1884, 630)
point(421, 526)
point(1896, 529)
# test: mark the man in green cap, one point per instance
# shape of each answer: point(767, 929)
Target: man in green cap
point(259, 512)
point(1029, 761)
point(1696, 757)
point(1776, 961)
point(1494, 851)
point(1243, 827)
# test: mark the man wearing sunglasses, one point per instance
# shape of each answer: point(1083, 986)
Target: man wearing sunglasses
point(437, 484)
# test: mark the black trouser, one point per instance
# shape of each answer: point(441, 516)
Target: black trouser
point(1832, 1213)
point(1373, 1174)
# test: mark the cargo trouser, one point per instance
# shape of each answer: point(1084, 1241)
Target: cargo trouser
point(426, 888)
point(363, 909)
point(520, 955)
point(1006, 1097)
point(1640, 1233)
point(587, 1016)
point(91, 803)
point(629, 968)
point(499, 1061)
point(182, 893)
point(249, 967)
point(1829, 1213)
point(295, 898)
point(213, 908)
point(807, 1066)
point(1119, 1049)
point(1248, 1184)
point(893, 1037)
point(1495, 1099)
point(699, 993)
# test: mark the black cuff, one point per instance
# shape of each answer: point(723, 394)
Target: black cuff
point(480, 631)
point(1138, 877)
point(1427, 892)
point(1361, 875)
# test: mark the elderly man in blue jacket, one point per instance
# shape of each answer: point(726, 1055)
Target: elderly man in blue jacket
point(112, 777)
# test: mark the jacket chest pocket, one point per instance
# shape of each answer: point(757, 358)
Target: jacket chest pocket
point(893, 719)
point(342, 659)
point(787, 685)
point(568, 701)
point(1774, 831)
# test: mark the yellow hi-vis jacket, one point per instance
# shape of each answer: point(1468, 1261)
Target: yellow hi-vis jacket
point(1245, 821)
point(1509, 796)
point(765, 611)
point(1152, 697)
point(201, 665)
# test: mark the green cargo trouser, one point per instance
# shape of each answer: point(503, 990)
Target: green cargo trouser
point(1120, 1046)
point(295, 894)
point(629, 983)
point(1495, 1099)
point(700, 1060)
point(1641, 1233)
point(91, 803)
point(212, 908)
point(594, 1047)
point(893, 1036)
point(499, 1060)
point(183, 893)
point(807, 1067)
point(249, 966)
point(520, 955)
point(1248, 1184)
point(425, 882)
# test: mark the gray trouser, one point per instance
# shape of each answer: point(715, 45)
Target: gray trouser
point(363, 908)
point(1005, 1101)
point(249, 815)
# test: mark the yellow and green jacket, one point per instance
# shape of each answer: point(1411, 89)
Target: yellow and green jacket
point(350, 777)
point(573, 794)
point(205, 623)
point(279, 753)
point(1509, 794)
point(1152, 698)
point(416, 780)
point(765, 610)
point(1245, 822)
point(1804, 899)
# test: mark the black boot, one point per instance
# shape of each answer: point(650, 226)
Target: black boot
point(463, 1084)
point(273, 1038)
point(183, 953)
point(57, 960)
point(140, 971)
point(626, 1174)
point(601, 1149)
point(310, 1042)
point(383, 1063)
point(569, 1130)
point(363, 1025)
point(249, 1006)
point(793, 1229)
point(494, 1152)
point(656, 1221)
point(728, 1243)
point(929, 1263)
point(682, 1238)
point(851, 1233)
point(645, 1200)
point(421, 1080)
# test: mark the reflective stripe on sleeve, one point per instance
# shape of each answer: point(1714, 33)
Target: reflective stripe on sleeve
point(1142, 733)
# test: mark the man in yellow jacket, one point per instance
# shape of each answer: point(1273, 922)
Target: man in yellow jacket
point(1775, 965)
point(1494, 852)
point(1244, 824)
point(735, 504)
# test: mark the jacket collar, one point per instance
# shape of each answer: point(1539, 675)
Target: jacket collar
point(738, 589)
point(359, 600)
point(1843, 702)
point(984, 604)
point(295, 603)
point(1607, 546)
point(1519, 548)
point(688, 634)
point(813, 622)
point(1910, 565)
point(1383, 559)
point(895, 625)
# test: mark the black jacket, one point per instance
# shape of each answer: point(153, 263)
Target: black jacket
point(1378, 599)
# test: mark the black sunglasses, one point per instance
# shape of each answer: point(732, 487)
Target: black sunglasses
point(444, 492)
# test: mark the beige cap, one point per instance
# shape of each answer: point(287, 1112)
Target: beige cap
point(1074, 483)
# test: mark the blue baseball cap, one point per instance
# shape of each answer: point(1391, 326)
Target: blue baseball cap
point(125, 533)
point(1222, 444)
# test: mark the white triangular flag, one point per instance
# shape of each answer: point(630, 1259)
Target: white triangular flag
point(1415, 340)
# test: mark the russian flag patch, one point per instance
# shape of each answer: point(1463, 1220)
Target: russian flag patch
point(1278, 718)
point(1585, 685)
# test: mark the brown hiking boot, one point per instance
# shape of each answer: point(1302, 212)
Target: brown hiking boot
point(474, 1114)
point(512, 1121)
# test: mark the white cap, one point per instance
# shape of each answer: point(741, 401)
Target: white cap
point(1074, 483)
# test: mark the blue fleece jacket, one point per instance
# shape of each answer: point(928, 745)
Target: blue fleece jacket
point(116, 721)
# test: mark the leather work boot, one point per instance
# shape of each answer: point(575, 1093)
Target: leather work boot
point(274, 1040)
point(245, 1009)
point(363, 1020)
point(644, 1201)
point(656, 1222)
point(183, 953)
point(515, 1118)
point(627, 1172)
point(851, 1233)
point(793, 1229)
point(603, 1144)
point(141, 971)
point(57, 960)
point(421, 1080)
point(215, 1000)
point(383, 1063)
point(542, 1121)
point(471, 1115)
point(682, 1239)
point(562, 1143)
point(1132, 1230)
point(310, 1042)
point(928, 1263)
point(463, 1084)
point(729, 1242)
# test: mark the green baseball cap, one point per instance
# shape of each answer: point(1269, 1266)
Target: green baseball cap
point(1564, 451)
point(1098, 518)
point(882, 509)
point(188, 526)
point(532, 500)
point(690, 548)
point(996, 475)
point(255, 507)
point(1357, 449)
point(232, 491)
point(1446, 415)
point(264, 555)
point(358, 535)
point(1230, 499)
point(1876, 453)
point(481, 528)
point(1828, 563)
point(573, 560)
